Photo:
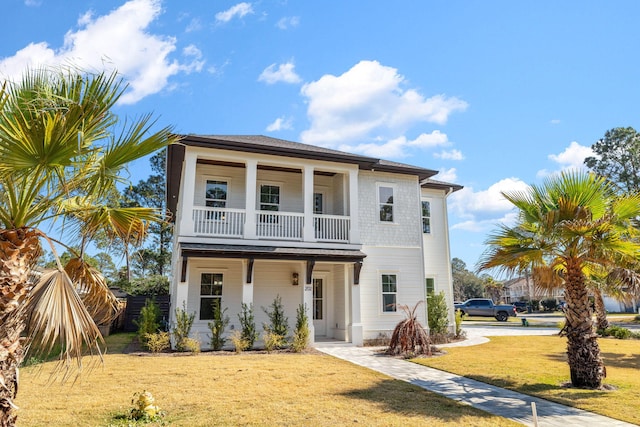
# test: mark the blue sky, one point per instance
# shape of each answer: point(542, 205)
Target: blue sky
point(493, 94)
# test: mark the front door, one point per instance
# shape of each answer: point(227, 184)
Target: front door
point(319, 306)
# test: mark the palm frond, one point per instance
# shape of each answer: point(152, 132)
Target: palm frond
point(57, 316)
point(92, 287)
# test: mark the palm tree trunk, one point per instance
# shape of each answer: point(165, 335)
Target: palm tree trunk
point(19, 249)
point(585, 364)
point(601, 313)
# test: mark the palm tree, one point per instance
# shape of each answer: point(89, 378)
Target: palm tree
point(569, 227)
point(60, 161)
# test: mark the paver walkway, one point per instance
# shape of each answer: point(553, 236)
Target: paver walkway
point(495, 400)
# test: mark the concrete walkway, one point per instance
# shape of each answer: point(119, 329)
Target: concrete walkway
point(495, 400)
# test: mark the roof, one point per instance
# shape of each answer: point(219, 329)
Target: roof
point(280, 147)
point(440, 185)
point(270, 252)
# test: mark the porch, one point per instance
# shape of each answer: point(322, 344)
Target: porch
point(231, 223)
point(326, 282)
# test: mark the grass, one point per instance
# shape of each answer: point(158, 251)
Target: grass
point(248, 389)
point(537, 365)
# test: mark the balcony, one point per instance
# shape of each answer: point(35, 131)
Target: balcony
point(231, 223)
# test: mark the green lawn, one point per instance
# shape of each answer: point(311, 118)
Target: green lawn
point(537, 365)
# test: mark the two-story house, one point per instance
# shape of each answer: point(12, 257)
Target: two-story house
point(349, 236)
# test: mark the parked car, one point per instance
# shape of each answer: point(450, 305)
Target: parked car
point(521, 306)
point(486, 308)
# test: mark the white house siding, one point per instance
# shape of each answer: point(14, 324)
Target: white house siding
point(391, 247)
point(406, 263)
point(235, 178)
point(404, 230)
point(231, 292)
point(437, 258)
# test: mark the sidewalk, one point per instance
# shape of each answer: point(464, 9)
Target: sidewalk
point(495, 400)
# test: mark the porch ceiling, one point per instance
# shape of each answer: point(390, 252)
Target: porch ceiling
point(270, 252)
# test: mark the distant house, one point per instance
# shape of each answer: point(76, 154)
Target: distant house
point(523, 289)
point(351, 237)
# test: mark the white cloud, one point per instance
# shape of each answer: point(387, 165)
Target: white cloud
point(449, 155)
point(284, 73)
point(239, 10)
point(555, 122)
point(117, 41)
point(369, 99)
point(288, 22)
point(32, 3)
point(448, 175)
point(482, 209)
point(486, 224)
point(194, 25)
point(396, 147)
point(280, 123)
point(572, 158)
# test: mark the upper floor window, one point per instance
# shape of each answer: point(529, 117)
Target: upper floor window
point(216, 194)
point(389, 292)
point(269, 197)
point(426, 217)
point(385, 199)
point(210, 294)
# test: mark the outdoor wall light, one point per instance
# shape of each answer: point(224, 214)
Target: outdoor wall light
point(294, 280)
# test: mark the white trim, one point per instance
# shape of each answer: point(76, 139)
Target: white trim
point(203, 183)
point(394, 214)
point(381, 293)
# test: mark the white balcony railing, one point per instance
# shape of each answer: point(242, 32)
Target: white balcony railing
point(219, 222)
point(279, 225)
point(230, 223)
point(331, 228)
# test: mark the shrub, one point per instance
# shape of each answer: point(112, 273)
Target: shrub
point(158, 342)
point(181, 331)
point(191, 344)
point(459, 331)
point(248, 325)
point(148, 322)
point(239, 343)
point(278, 323)
point(549, 304)
point(272, 341)
point(637, 318)
point(617, 332)
point(301, 333)
point(437, 314)
point(144, 408)
point(409, 337)
point(217, 327)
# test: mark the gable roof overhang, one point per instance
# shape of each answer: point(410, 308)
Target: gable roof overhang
point(440, 185)
point(279, 147)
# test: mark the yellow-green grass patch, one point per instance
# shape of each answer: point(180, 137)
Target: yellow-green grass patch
point(248, 389)
point(537, 365)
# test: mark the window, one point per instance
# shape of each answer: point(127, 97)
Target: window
point(426, 217)
point(431, 286)
point(318, 205)
point(389, 292)
point(318, 299)
point(269, 198)
point(385, 198)
point(210, 294)
point(216, 194)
